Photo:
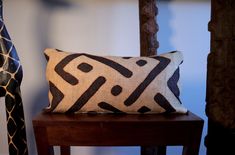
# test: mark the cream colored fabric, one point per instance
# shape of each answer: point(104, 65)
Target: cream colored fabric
point(81, 83)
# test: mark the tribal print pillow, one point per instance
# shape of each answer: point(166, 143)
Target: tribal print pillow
point(84, 83)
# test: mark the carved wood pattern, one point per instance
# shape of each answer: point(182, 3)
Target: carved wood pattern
point(220, 99)
point(148, 27)
point(148, 46)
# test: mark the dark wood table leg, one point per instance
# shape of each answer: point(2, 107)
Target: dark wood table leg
point(193, 146)
point(160, 150)
point(65, 150)
point(43, 146)
point(190, 150)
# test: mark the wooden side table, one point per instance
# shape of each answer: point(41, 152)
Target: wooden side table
point(117, 130)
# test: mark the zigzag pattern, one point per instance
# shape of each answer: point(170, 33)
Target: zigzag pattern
point(88, 83)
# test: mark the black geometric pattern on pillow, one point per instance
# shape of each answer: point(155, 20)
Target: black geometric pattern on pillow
point(57, 96)
point(73, 80)
point(163, 62)
point(172, 83)
point(84, 98)
point(103, 84)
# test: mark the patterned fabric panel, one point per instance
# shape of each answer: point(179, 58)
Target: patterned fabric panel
point(84, 83)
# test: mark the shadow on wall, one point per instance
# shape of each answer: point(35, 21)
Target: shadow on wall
point(42, 27)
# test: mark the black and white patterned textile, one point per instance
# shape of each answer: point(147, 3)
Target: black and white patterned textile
point(84, 83)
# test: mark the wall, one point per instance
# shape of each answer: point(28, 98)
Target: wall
point(107, 28)
point(183, 27)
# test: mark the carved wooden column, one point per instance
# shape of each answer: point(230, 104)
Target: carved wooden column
point(148, 27)
point(220, 107)
point(148, 46)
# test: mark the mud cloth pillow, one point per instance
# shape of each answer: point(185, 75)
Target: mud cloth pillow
point(83, 83)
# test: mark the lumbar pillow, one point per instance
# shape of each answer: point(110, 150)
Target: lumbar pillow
point(84, 83)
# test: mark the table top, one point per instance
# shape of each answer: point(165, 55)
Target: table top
point(47, 118)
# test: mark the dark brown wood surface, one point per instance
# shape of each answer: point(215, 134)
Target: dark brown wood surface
point(220, 107)
point(118, 130)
